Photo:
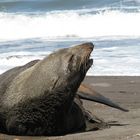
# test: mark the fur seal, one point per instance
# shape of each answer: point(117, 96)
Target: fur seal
point(39, 98)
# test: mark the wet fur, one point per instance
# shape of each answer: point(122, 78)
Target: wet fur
point(33, 112)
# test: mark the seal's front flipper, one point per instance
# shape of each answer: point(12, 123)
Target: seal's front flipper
point(87, 93)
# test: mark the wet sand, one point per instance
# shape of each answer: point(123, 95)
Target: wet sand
point(124, 91)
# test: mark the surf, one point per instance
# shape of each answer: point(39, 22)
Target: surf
point(71, 23)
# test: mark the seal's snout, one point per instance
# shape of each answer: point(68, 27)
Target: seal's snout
point(83, 52)
point(84, 49)
point(88, 46)
point(81, 56)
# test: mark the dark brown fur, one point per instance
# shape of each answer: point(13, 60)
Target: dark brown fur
point(51, 106)
point(38, 99)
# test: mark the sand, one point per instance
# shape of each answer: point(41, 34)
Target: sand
point(124, 91)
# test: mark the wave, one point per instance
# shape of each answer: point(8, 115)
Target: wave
point(127, 66)
point(10, 61)
point(111, 57)
point(68, 24)
point(51, 5)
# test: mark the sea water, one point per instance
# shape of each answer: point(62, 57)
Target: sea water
point(32, 29)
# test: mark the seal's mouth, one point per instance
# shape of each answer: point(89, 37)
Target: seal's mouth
point(89, 60)
point(89, 63)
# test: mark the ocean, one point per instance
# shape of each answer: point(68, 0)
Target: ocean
point(32, 29)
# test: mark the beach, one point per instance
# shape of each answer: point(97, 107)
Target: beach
point(123, 90)
point(33, 29)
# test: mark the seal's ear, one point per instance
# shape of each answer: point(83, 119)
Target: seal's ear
point(87, 93)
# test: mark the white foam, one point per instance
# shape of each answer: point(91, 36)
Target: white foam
point(7, 63)
point(68, 24)
point(128, 65)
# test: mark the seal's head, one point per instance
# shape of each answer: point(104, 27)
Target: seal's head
point(68, 66)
